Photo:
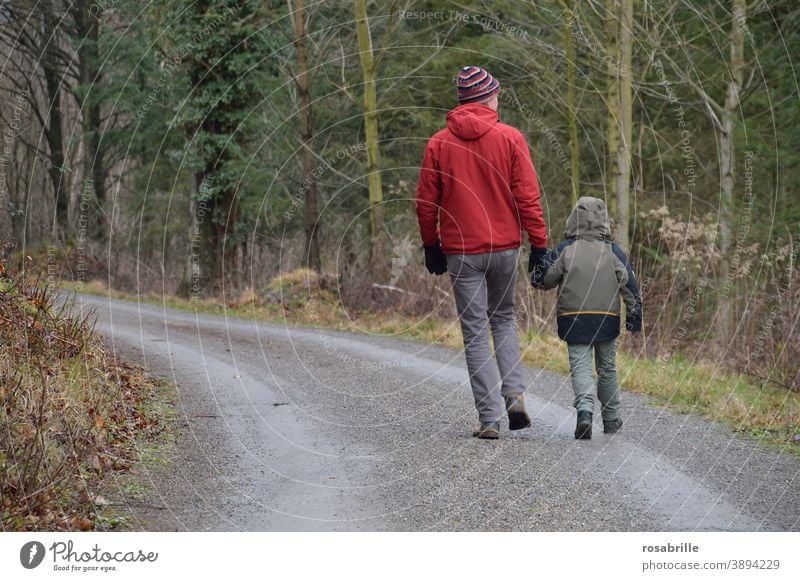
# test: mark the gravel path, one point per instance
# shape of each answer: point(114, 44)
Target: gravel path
point(304, 429)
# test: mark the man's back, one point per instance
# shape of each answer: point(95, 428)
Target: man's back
point(479, 172)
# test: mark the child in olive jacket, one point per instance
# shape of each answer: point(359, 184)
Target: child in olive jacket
point(591, 273)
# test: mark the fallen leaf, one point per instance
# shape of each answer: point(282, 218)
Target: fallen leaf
point(85, 524)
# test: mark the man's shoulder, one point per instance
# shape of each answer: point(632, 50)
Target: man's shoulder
point(510, 131)
point(440, 136)
point(443, 133)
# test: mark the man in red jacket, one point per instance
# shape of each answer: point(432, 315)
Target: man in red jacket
point(477, 191)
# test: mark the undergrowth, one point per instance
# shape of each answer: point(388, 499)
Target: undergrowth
point(70, 412)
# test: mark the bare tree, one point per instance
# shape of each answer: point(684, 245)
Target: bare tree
point(571, 113)
point(620, 112)
point(727, 155)
point(723, 119)
point(302, 80)
point(86, 30)
point(54, 54)
point(35, 73)
point(369, 67)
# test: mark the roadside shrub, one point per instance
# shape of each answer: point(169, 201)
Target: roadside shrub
point(69, 411)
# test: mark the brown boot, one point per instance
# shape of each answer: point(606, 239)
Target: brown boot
point(487, 431)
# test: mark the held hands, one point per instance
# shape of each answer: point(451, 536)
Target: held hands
point(537, 266)
point(633, 320)
point(435, 260)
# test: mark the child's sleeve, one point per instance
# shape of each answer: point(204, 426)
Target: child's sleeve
point(553, 272)
point(629, 289)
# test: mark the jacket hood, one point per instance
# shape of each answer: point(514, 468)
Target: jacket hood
point(588, 220)
point(471, 121)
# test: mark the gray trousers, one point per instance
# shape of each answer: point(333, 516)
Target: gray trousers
point(580, 367)
point(484, 288)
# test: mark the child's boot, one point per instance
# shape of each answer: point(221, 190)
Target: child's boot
point(583, 429)
point(613, 426)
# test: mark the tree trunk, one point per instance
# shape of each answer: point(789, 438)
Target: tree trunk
point(54, 131)
point(727, 161)
point(572, 121)
point(626, 124)
point(612, 99)
point(620, 118)
point(187, 288)
point(312, 251)
point(227, 238)
point(86, 27)
point(207, 248)
point(378, 267)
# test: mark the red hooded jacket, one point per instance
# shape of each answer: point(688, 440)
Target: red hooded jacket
point(477, 187)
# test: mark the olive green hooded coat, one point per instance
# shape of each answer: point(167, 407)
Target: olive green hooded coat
point(591, 273)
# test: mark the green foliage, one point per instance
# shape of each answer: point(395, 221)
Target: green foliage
point(219, 49)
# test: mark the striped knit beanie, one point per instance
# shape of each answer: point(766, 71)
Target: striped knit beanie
point(475, 84)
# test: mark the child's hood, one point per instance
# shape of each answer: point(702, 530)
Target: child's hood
point(588, 220)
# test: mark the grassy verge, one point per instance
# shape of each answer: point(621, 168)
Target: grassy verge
point(71, 415)
point(128, 490)
point(770, 413)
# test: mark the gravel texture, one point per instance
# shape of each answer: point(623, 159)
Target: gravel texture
point(304, 429)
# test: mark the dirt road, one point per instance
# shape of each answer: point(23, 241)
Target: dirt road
point(304, 429)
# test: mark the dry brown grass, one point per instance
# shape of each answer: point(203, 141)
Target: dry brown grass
point(69, 412)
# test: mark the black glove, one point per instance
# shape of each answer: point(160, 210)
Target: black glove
point(536, 258)
point(435, 260)
point(537, 266)
point(633, 320)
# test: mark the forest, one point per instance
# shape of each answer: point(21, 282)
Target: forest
point(200, 149)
